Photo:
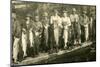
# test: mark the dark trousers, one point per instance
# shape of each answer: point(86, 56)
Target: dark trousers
point(37, 42)
point(90, 32)
point(82, 33)
point(94, 34)
point(44, 40)
point(75, 32)
point(51, 38)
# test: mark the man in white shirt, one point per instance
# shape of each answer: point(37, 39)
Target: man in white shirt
point(45, 24)
point(56, 21)
point(65, 23)
point(75, 27)
point(85, 23)
point(16, 34)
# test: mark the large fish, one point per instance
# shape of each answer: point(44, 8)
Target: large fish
point(31, 37)
point(24, 42)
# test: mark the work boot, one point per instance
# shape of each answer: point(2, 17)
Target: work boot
point(65, 47)
point(57, 49)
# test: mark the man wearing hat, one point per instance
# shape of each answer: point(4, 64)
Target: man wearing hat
point(84, 25)
point(45, 24)
point(56, 21)
point(92, 24)
point(75, 27)
point(27, 34)
point(65, 23)
point(37, 31)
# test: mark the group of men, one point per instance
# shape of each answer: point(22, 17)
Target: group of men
point(49, 33)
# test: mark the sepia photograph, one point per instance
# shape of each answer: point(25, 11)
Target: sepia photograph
point(52, 33)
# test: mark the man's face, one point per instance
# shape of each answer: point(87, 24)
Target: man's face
point(74, 12)
point(13, 16)
point(55, 12)
point(64, 14)
point(45, 14)
point(84, 14)
point(28, 18)
point(37, 18)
